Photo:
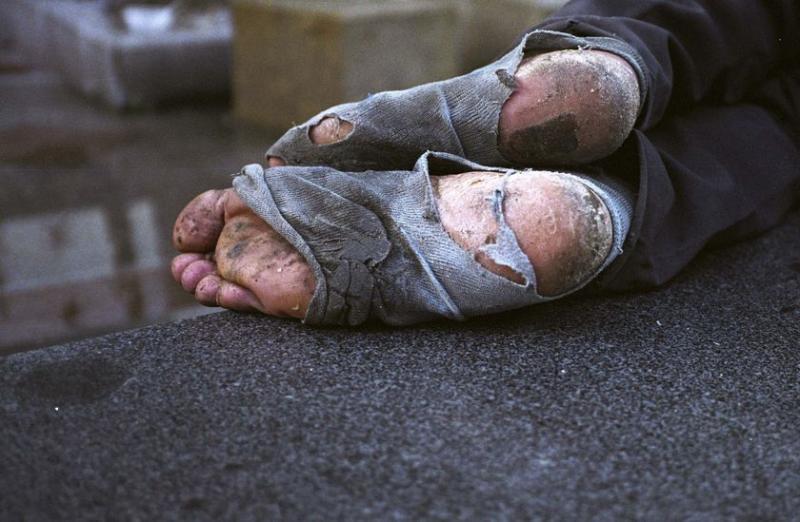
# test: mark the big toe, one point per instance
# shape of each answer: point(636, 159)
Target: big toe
point(199, 224)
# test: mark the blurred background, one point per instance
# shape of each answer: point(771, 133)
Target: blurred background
point(115, 113)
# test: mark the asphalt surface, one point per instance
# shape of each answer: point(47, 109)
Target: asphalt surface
point(679, 404)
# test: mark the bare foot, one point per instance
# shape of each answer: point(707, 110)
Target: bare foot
point(233, 259)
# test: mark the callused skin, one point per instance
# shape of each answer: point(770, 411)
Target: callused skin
point(568, 108)
point(230, 257)
point(562, 226)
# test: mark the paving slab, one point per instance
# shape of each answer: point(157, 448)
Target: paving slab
point(292, 59)
point(23, 24)
point(491, 27)
point(98, 56)
point(677, 404)
point(87, 203)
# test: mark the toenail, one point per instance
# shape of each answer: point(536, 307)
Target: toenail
point(207, 289)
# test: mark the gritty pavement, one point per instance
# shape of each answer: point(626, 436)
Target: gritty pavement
point(678, 404)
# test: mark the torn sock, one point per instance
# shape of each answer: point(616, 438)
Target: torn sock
point(378, 250)
point(459, 116)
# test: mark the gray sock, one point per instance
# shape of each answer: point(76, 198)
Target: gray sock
point(377, 248)
point(459, 116)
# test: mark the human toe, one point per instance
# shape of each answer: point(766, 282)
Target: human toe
point(180, 262)
point(199, 224)
point(234, 297)
point(207, 289)
point(213, 290)
point(331, 129)
point(194, 272)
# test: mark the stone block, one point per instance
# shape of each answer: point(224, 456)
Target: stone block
point(293, 59)
point(491, 27)
point(61, 276)
point(101, 58)
point(55, 248)
point(23, 25)
point(38, 316)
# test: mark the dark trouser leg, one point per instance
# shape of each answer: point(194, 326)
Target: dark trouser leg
point(694, 50)
point(714, 174)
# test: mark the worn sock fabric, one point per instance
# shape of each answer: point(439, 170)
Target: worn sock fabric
point(459, 116)
point(377, 248)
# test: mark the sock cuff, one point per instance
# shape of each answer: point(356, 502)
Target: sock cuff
point(619, 199)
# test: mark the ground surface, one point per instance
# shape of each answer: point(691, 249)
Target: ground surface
point(681, 404)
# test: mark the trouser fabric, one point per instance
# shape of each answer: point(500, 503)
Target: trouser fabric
point(715, 155)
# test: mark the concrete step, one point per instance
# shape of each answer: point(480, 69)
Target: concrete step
point(491, 27)
point(123, 68)
point(293, 59)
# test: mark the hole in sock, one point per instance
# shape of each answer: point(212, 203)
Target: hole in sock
point(488, 260)
point(443, 166)
point(569, 107)
point(562, 226)
point(464, 201)
point(555, 220)
point(275, 161)
point(331, 129)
